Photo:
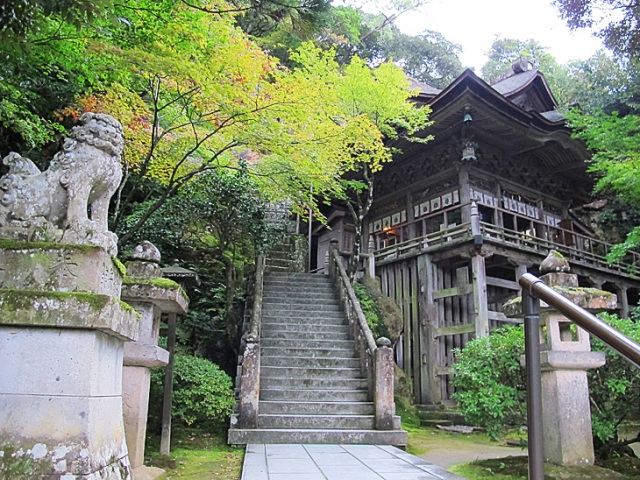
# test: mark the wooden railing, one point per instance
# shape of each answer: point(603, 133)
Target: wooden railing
point(578, 248)
point(376, 356)
point(250, 380)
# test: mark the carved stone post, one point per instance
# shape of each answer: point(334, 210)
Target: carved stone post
point(333, 246)
point(62, 324)
point(250, 385)
point(565, 358)
point(150, 295)
point(383, 397)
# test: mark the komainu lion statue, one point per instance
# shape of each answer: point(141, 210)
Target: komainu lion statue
point(68, 202)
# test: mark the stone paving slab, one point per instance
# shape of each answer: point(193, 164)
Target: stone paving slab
point(337, 462)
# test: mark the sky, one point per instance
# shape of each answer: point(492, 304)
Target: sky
point(474, 24)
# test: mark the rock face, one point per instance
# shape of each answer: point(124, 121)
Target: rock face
point(54, 204)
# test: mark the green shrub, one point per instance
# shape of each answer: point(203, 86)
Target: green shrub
point(490, 383)
point(371, 311)
point(614, 390)
point(202, 393)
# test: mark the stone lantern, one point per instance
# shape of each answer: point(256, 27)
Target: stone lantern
point(565, 358)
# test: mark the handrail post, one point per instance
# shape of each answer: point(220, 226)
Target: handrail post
point(250, 385)
point(384, 375)
point(531, 307)
point(333, 268)
point(250, 380)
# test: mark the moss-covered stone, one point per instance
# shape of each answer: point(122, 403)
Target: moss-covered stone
point(20, 466)
point(165, 283)
point(64, 268)
point(120, 267)
point(25, 245)
point(34, 308)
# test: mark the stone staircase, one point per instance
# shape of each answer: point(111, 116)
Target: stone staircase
point(312, 389)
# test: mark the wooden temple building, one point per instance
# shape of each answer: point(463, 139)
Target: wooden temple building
point(456, 221)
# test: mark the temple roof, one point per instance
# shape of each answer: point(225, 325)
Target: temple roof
point(515, 119)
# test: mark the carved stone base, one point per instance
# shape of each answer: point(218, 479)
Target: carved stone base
point(61, 404)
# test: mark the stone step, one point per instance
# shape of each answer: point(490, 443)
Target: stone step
point(296, 328)
point(310, 395)
point(314, 362)
point(311, 344)
point(297, 296)
point(300, 279)
point(309, 293)
point(397, 438)
point(336, 353)
point(272, 307)
point(298, 289)
point(316, 408)
point(304, 318)
point(344, 422)
point(332, 384)
point(311, 372)
point(305, 334)
point(280, 262)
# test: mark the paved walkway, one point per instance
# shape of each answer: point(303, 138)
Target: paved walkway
point(337, 462)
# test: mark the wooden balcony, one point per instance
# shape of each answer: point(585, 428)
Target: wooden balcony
point(537, 239)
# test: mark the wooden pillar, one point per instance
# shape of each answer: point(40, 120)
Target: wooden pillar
point(624, 302)
point(165, 439)
point(520, 270)
point(480, 306)
point(465, 193)
point(430, 393)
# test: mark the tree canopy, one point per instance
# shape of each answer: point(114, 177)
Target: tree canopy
point(617, 21)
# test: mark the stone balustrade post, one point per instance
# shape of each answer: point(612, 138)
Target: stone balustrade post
point(150, 295)
point(383, 393)
point(250, 384)
point(333, 246)
point(565, 358)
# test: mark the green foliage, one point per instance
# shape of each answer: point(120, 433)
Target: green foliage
point(489, 381)
point(620, 32)
point(371, 311)
point(202, 393)
point(490, 384)
point(615, 141)
point(613, 388)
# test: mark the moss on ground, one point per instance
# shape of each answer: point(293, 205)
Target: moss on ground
point(197, 454)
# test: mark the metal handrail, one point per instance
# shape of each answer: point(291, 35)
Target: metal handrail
point(538, 290)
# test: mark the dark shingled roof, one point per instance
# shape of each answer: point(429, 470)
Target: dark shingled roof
point(553, 116)
point(423, 87)
point(514, 83)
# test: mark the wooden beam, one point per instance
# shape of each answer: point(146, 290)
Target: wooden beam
point(453, 291)
point(499, 282)
point(440, 370)
point(455, 330)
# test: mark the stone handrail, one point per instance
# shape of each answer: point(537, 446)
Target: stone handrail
point(250, 380)
point(256, 313)
point(376, 357)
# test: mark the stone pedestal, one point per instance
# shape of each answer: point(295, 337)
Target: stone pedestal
point(62, 331)
point(565, 357)
point(566, 410)
point(150, 296)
